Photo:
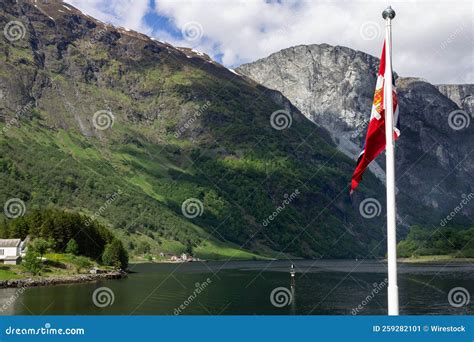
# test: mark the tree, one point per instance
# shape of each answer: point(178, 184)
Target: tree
point(31, 263)
point(143, 247)
point(63, 231)
point(72, 247)
point(41, 246)
point(81, 263)
point(189, 248)
point(115, 255)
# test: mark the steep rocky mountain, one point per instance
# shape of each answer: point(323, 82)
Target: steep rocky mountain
point(170, 149)
point(461, 94)
point(333, 86)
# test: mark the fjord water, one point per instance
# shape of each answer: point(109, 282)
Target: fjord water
point(323, 287)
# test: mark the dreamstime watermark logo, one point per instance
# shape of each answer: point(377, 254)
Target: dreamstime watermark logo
point(192, 208)
point(103, 119)
point(459, 29)
point(370, 207)
point(103, 208)
point(14, 30)
point(377, 287)
point(47, 329)
point(103, 296)
point(359, 130)
point(192, 31)
point(459, 119)
point(458, 297)
point(280, 297)
point(288, 199)
point(281, 119)
point(14, 207)
point(465, 200)
point(16, 119)
point(199, 288)
point(370, 30)
point(191, 120)
point(13, 298)
point(96, 37)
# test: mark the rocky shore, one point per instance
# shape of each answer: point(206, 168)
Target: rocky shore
point(55, 280)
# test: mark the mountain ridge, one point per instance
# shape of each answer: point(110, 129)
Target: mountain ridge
point(334, 86)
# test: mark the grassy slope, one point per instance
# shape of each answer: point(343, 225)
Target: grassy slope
point(56, 265)
point(9, 272)
point(68, 160)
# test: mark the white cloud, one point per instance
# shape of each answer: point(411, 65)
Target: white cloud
point(126, 13)
point(431, 39)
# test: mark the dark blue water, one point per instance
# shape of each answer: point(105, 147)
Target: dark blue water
point(323, 287)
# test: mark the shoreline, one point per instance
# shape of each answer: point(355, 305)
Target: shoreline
point(409, 260)
point(58, 280)
point(84, 278)
point(433, 259)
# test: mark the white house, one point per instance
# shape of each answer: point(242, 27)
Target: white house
point(10, 251)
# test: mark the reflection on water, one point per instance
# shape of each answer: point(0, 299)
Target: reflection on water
point(323, 287)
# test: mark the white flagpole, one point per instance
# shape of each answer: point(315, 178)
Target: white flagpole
point(388, 15)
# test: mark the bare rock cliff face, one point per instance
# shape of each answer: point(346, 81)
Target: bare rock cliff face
point(461, 94)
point(333, 87)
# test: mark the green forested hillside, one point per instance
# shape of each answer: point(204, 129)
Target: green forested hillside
point(454, 241)
point(183, 127)
point(56, 230)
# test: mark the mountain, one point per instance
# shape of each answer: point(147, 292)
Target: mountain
point(171, 150)
point(333, 86)
point(461, 94)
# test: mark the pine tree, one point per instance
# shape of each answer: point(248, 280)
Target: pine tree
point(72, 247)
point(115, 255)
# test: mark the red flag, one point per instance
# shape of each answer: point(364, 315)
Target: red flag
point(375, 138)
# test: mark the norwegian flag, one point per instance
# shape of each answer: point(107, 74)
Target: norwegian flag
point(375, 138)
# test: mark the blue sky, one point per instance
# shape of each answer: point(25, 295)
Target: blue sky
point(158, 22)
point(432, 39)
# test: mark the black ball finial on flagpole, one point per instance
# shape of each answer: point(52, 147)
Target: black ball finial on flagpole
point(388, 13)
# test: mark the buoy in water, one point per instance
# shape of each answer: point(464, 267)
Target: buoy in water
point(292, 275)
